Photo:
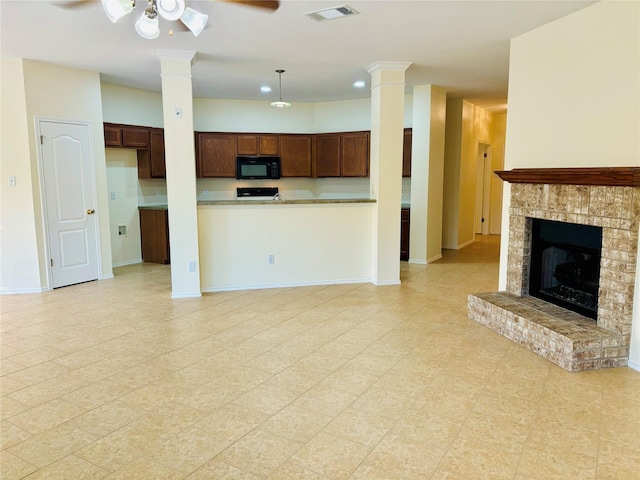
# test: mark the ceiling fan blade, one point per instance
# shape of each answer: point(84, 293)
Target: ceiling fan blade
point(266, 4)
point(70, 4)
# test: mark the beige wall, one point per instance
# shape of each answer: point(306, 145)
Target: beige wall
point(497, 163)
point(122, 181)
point(19, 268)
point(574, 101)
point(51, 92)
point(467, 125)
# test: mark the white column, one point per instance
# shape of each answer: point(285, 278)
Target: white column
point(177, 106)
point(427, 173)
point(387, 124)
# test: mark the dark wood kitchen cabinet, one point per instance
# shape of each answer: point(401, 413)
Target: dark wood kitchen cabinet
point(257, 144)
point(128, 136)
point(151, 161)
point(215, 155)
point(355, 154)
point(406, 152)
point(154, 235)
point(405, 217)
point(148, 142)
point(327, 154)
point(295, 155)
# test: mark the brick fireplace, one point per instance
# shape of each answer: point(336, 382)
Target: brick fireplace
point(603, 197)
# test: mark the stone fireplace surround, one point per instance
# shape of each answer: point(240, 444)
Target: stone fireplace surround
point(604, 197)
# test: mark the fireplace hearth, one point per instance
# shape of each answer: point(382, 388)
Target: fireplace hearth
point(569, 296)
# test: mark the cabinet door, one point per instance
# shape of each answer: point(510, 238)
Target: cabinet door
point(295, 155)
point(154, 236)
point(355, 154)
point(268, 145)
point(112, 135)
point(405, 216)
point(327, 155)
point(406, 153)
point(216, 155)
point(247, 144)
point(135, 137)
point(156, 148)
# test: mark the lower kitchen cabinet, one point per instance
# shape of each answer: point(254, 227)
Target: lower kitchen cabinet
point(154, 235)
point(404, 233)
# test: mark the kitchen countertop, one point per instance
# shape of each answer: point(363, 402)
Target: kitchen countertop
point(307, 201)
point(153, 207)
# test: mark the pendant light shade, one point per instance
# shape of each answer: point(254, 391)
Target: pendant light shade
point(280, 103)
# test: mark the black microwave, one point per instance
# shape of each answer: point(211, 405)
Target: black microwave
point(257, 168)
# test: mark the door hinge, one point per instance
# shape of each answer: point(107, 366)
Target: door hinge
point(51, 260)
point(41, 139)
point(485, 154)
point(482, 220)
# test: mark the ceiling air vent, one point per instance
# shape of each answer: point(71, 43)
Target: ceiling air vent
point(331, 13)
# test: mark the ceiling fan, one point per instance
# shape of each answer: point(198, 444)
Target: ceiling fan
point(147, 25)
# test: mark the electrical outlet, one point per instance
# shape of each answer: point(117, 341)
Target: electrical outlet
point(113, 195)
point(272, 259)
point(192, 266)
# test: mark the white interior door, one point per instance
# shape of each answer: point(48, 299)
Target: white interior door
point(483, 179)
point(69, 200)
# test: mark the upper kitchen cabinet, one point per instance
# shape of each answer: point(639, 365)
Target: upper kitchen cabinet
point(327, 153)
point(406, 153)
point(355, 154)
point(151, 161)
point(295, 155)
point(130, 136)
point(216, 154)
point(257, 145)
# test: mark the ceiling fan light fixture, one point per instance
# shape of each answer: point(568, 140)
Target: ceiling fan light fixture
point(194, 20)
point(280, 103)
point(170, 9)
point(116, 9)
point(147, 25)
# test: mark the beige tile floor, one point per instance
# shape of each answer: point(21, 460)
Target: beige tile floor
point(115, 380)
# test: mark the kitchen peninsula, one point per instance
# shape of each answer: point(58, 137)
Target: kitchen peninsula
point(248, 244)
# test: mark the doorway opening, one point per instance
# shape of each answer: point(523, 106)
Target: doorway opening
point(483, 189)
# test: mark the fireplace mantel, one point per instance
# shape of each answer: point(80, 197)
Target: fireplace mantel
point(601, 176)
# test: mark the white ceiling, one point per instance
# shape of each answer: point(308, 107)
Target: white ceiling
point(461, 46)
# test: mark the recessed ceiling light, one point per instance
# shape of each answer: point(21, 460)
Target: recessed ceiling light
point(359, 84)
point(331, 13)
point(265, 89)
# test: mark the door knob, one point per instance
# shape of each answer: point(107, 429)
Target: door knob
point(90, 211)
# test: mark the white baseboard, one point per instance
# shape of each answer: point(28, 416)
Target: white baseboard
point(284, 285)
point(418, 262)
point(186, 295)
point(128, 262)
point(634, 365)
point(23, 291)
point(434, 258)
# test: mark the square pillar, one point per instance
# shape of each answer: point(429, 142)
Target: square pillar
point(387, 133)
point(177, 107)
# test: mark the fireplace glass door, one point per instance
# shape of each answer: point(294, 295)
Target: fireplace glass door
point(565, 265)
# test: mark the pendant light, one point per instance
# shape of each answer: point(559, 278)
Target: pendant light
point(280, 103)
